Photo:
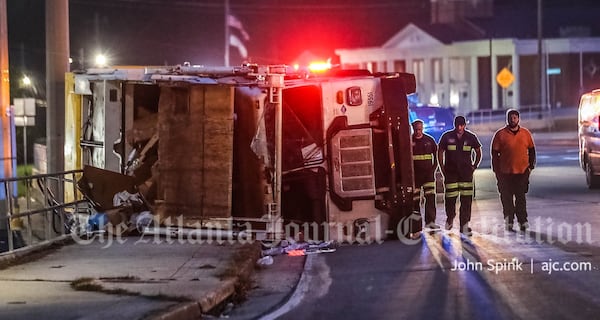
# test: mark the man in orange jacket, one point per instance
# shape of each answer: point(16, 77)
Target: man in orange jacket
point(513, 158)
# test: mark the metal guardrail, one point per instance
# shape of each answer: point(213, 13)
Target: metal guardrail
point(42, 214)
point(528, 112)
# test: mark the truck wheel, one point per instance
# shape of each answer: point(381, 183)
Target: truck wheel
point(592, 180)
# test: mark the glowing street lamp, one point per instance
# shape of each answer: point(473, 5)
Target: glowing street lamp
point(26, 81)
point(101, 60)
point(27, 84)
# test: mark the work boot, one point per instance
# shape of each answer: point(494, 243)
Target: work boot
point(433, 226)
point(524, 226)
point(466, 230)
point(448, 225)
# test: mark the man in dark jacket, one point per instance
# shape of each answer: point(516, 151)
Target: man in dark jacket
point(425, 163)
point(455, 154)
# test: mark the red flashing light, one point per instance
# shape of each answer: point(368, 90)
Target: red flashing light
point(319, 66)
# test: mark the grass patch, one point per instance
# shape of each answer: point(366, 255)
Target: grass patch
point(23, 171)
point(90, 284)
point(86, 284)
point(121, 279)
point(93, 285)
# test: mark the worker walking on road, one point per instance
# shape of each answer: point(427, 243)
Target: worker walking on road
point(455, 154)
point(513, 158)
point(425, 163)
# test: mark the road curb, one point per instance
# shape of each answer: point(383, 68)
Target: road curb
point(295, 295)
point(187, 310)
point(194, 309)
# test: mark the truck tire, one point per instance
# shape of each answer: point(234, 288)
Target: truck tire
point(592, 180)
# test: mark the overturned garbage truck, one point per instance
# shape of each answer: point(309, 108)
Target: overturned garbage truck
point(254, 147)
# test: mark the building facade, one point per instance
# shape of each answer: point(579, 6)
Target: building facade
point(463, 74)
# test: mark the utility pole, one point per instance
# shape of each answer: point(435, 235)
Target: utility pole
point(6, 152)
point(57, 64)
point(7, 161)
point(226, 33)
point(541, 56)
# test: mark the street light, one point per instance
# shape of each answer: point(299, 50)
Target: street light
point(26, 81)
point(101, 60)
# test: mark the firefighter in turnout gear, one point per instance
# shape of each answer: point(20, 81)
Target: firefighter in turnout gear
point(425, 164)
point(455, 153)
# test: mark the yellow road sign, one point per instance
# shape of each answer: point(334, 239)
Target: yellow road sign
point(505, 78)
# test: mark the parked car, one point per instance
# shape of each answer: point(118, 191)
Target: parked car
point(436, 120)
point(589, 137)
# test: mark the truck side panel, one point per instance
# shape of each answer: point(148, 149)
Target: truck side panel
point(249, 188)
point(195, 126)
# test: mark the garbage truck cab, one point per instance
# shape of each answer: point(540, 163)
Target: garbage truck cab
point(347, 154)
point(327, 156)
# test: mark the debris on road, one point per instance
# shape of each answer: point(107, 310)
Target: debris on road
point(292, 247)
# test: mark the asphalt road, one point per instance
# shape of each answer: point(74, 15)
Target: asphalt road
point(550, 272)
point(444, 277)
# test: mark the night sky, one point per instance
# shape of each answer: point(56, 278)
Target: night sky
point(170, 32)
point(159, 32)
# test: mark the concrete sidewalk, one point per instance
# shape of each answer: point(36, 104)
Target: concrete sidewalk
point(134, 278)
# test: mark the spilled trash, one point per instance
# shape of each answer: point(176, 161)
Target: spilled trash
point(293, 248)
point(265, 261)
point(117, 207)
point(128, 215)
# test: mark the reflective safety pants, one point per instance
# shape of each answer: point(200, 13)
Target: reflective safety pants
point(427, 190)
point(456, 189)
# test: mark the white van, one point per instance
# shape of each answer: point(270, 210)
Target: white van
point(589, 137)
